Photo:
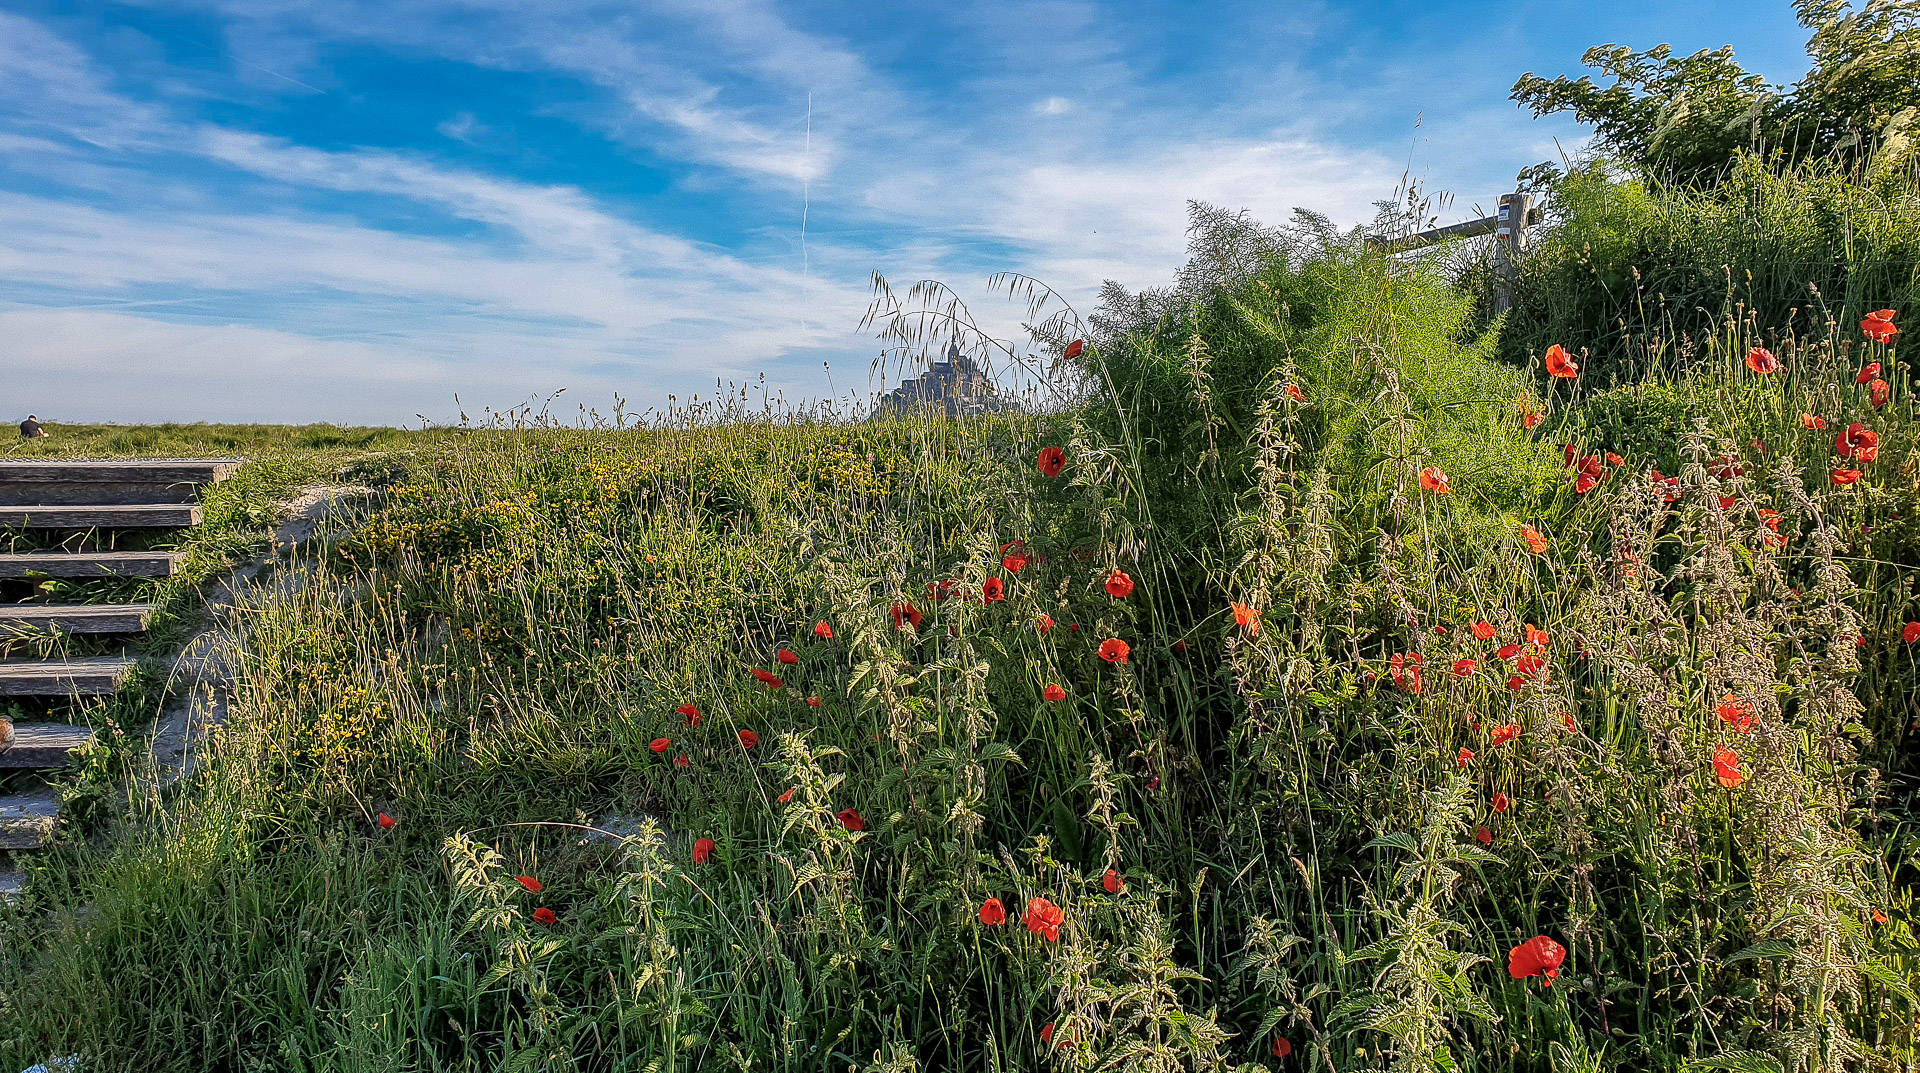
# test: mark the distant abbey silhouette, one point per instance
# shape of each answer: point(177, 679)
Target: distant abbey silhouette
point(957, 385)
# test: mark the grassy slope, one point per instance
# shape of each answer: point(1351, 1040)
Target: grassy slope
point(492, 659)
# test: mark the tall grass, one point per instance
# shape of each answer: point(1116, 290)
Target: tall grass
point(1258, 827)
point(1640, 277)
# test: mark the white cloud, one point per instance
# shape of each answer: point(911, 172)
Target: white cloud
point(303, 294)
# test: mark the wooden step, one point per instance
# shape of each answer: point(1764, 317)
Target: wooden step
point(27, 819)
point(43, 745)
point(141, 516)
point(68, 482)
point(69, 678)
point(24, 619)
point(92, 564)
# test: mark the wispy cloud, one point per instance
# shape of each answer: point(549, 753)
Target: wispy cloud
point(362, 207)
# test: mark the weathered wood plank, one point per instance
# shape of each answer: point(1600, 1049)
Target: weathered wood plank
point(80, 677)
point(27, 820)
point(43, 745)
point(74, 618)
point(120, 471)
point(142, 516)
point(93, 493)
point(92, 564)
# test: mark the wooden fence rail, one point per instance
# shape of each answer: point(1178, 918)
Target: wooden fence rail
point(1509, 228)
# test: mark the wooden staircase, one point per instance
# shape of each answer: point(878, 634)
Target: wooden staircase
point(92, 502)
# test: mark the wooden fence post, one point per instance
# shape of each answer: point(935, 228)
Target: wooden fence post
point(1509, 243)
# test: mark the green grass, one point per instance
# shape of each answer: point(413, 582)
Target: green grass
point(491, 656)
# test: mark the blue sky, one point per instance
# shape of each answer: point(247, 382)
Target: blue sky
point(357, 211)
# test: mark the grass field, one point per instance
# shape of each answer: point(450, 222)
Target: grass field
point(1336, 678)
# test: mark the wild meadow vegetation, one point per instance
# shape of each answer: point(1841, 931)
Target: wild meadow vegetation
point(1327, 681)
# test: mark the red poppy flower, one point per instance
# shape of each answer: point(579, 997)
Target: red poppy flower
point(1559, 364)
point(1462, 667)
point(1670, 482)
point(1434, 479)
point(1484, 631)
point(1878, 326)
point(1535, 542)
point(769, 679)
point(1615, 460)
point(1112, 882)
point(1538, 636)
point(1538, 956)
point(1531, 421)
point(1845, 476)
point(1464, 757)
point(1114, 650)
point(1119, 584)
point(545, 915)
point(1591, 474)
point(1043, 623)
point(1054, 693)
point(1484, 836)
point(1505, 733)
point(702, 850)
point(938, 591)
point(1736, 713)
point(1727, 502)
point(905, 615)
point(1872, 370)
point(993, 590)
point(1911, 632)
point(992, 913)
point(814, 701)
point(788, 796)
point(1857, 442)
point(1507, 651)
point(1073, 349)
point(1046, 1034)
point(533, 885)
point(1877, 393)
point(850, 819)
point(1294, 393)
point(1567, 718)
point(787, 657)
point(748, 739)
point(681, 761)
point(1052, 461)
point(1726, 768)
point(1245, 616)
point(1813, 421)
point(1762, 361)
point(689, 712)
point(1405, 668)
point(1045, 918)
point(1528, 664)
point(1014, 561)
point(1501, 802)
point(660, 745)
point(822, 630)
point(1280, 1048)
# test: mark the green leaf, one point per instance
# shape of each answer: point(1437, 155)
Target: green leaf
point(1766, 948)
point(1396, 840)
point(1737, 1062)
